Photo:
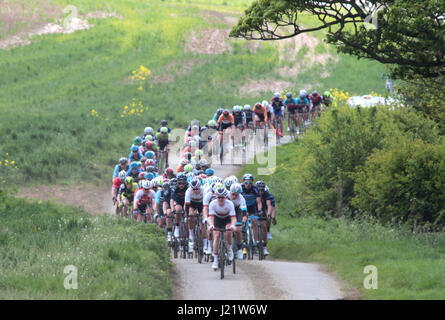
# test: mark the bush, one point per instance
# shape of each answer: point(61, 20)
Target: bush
point(405, 182)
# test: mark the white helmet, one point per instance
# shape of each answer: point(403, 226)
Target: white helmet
point(203, 163)
point(146, 184)
point(276, 95)
point(247, 107)
point(148, 130)
point(265, 103)
point(234, 179)
point(303, 92)
point(122, 175)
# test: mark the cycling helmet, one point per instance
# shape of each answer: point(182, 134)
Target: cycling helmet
point(210, 172)
point(218, 179)
point(134, 149)
point(149, 155)
point(247, 107)
point(169, 171)
point(122, 175)
point(199, 153)
point(128, 180)
point(221, 192)
point(289, 95)
point(226, 112)
point(303, 92)
point(141, 175)
point(134, 165)
point(149, 137)
point(227, 183)
point(192, 144)
point(211, 123)
point(164, 130)
point(164, 123)
point(276, 95)
point(248, 176)
point(149, 176)
point(195, 183)
point(173, 182)
point(203, 129)
point(188, 168)
point(315, 94)
point(302, 96)
point(187, 155)
point(123, 160)
point(236, 109)
point(236, 188)
point(148, 130)
point(149, 163)
point(260, 185)
point(203, 163)
point(138, 140)
point(165, 184)
point(220, 110)
point(327, 93)
point(257, 105)
point(151, 169)
point(234, 179)
point(148, 145)
point(265, 103)
point(146, 184)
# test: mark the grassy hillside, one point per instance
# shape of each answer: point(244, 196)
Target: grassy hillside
point(115, 258)
point(63, 96)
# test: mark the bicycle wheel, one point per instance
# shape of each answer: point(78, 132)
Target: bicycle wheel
point(175, 248)
point(250, 244)
point(221, 153)
point(277, 130)
point(293, 128)
point(234, 247)
point(221, 255)
point(198, 241)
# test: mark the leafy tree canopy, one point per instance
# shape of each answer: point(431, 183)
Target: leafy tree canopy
point(407, 35)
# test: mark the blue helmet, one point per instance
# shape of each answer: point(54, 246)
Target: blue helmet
point(134, 148)
point(210, 172)
point(149, 154)
point(149, 176)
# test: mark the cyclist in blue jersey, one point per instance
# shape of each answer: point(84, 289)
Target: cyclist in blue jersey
point(253, 202)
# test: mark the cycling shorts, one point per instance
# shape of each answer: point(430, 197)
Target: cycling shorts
point(269, 115)
point(239, 214)
point(278, 113)
point(222, 222)
point(251, 210)
point(127, 197)
point(260, 116)
point(162, 144)
point(224, 126)
point(194, 205)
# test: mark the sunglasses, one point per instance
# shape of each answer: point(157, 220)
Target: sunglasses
point(247, 182)
point(221, 197)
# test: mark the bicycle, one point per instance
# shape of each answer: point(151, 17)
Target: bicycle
point(223, 258)
point(175, 241)
point(276, 124)
point(198, 248)
point(261, 243)
point(249, 238)
point(161, 161)
point(293, 125)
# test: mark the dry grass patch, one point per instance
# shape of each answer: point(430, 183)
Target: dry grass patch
point(254, 87)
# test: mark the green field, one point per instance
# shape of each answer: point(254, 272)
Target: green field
point(49, 88)
point(115, 258)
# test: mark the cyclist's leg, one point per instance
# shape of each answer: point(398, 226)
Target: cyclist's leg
point(126, 204)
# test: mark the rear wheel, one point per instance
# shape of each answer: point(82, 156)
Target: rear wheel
point(221, 257)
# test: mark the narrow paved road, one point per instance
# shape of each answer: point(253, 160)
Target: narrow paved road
point(254, 280)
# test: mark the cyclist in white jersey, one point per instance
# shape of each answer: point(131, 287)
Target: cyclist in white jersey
point(193, 201)
point(221, 215)
point(241, 215)
point(209, 197)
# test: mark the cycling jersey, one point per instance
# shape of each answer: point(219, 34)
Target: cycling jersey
point(238, 117)
point(117, 183)
point(249, 116)
point(250, 196)
point(178, 194)
point(217, 115)
point(316, 101)
point(264, 197)
point(224, 211)
point(145, 198)
point(126, 192)
point(239, 203)
point(261, 112)
point(291, 104)
point(208, 197)
point(302, 104)
point(192, 196)
point(226, 120)
point(135, 157)
point(277, 105)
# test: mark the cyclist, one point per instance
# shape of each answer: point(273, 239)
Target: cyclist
point(221, 215)
point(303, 106)
point(266, 203)
point(134, 171)
point(241, 214)
point(126, 194)
point(328, 99)
point(291, 104)
point(253, 202)
point(225, 120)
point(169, 174)
point(193, 201)
point(181, 166)
point(260, 115)
point(177, 200)
point(240, 124)
point(269, 110)
point(163, 138)
point(148, 131)
point(165, 198)
point(117, 182)
point(316, 104)
point(273, 214)
point(217, 114)
point(277, 105)
point(123, 165)
point(249, 116)
point(135, 154)
point(164, 124)
point(144, 201)
point(209, 197)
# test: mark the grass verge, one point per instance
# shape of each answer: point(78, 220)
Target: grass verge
point(115, 258)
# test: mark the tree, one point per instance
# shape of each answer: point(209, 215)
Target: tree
point(407, 35)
